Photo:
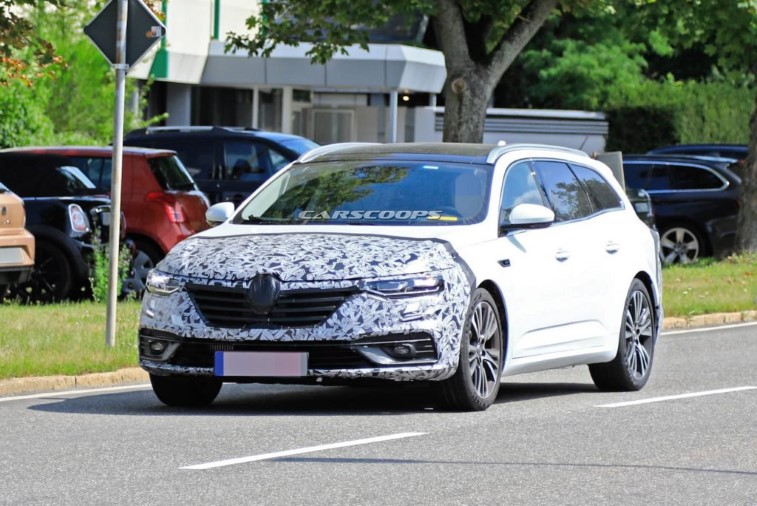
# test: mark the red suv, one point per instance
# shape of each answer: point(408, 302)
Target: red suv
point(159, 198)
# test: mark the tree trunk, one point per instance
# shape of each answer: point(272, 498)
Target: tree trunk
point(466, 96)
point(746, 228)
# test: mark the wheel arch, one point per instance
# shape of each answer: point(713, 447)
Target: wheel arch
point(148, 241)
point(646, 279)
point(491, 287)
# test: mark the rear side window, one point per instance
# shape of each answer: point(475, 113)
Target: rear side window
point(245, 160)
point(565, 193)
point(171, 174)
point(603, 197)
point(197, 156)
point(97, 169)
point(646, 176)
point(687, 177)
point(61, 181)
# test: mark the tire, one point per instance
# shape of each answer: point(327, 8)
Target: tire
point(145, 259)
point(630, 369)
point(191, 391)
point(52, 277)
point(3, 289)
point(475, 384)
point(681, 244)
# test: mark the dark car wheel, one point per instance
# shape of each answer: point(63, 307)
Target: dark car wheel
point(630, 369)
point(52, 277)
point(475, 385)
point(185, 390)
point(145, 259)
point(681, 244)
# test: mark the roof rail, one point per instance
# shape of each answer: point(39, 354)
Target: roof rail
point(196, 128)
point(331, 148)
point(501, 150)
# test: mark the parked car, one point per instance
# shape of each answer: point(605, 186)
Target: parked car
point(62, 208)
point(695, 202)
point(227, 163)
point(161, 202)
point(16, 243)
point(734, 151)
point(731, 156)
point(452, 264)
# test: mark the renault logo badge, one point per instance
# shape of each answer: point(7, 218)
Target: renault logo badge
point(263, 293)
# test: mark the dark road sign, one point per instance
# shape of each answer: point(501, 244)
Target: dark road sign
point(143, 30)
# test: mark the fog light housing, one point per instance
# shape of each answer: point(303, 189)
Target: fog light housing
point(157, 347)
point(401, 350)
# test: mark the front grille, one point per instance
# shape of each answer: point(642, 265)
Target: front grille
point(229, 308)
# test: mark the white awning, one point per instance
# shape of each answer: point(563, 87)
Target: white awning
point(382, 68)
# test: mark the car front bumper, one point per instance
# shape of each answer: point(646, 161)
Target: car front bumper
point(368, 336)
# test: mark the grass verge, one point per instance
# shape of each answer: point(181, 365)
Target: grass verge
point(70, 338)
point(65, 339)
point(708, 286)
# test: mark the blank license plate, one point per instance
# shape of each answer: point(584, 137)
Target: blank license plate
point(261, 364)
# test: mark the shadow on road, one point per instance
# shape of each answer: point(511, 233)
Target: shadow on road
point(276, 400)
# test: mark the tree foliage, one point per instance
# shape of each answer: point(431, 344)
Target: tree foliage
point(24, 55)
point(479, 39)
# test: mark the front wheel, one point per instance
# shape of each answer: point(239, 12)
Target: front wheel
point(190, 391)
point(475, 384)
point(630, 369)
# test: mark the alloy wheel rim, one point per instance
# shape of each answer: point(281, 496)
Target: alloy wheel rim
point(679, 245)
point(484, 349)
point(638, 335)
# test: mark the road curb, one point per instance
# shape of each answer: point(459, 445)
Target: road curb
point(18, 386)
point(135, 375)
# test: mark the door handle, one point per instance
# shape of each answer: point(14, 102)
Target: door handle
point(562, 254)
point(612, 247)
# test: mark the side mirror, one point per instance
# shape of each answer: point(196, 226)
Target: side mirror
point(528, 216)
point(219, 213)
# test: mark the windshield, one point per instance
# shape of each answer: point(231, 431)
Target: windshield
point(385, 193)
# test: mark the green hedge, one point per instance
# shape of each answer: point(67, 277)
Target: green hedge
point(655, 114)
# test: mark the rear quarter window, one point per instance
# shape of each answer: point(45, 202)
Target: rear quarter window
point(171, 174)
point(603, 197)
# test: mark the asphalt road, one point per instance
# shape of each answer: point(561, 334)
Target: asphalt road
point(551, 438)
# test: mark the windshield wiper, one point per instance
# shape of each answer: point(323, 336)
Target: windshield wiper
point(259, 220)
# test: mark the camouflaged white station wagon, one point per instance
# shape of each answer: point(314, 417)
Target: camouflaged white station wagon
point(450, 264)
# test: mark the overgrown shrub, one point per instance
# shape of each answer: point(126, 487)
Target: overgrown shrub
point(653, 114)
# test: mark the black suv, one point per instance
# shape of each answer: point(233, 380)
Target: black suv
point(696, 203)
point(63, 207)
point(227, 163)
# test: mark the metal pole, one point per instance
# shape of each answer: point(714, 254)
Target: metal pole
point(393, 116)
point(115, 192)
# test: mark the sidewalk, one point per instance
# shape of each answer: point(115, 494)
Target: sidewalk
point(135, 375)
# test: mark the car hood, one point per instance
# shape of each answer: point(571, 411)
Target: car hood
point(306, 256)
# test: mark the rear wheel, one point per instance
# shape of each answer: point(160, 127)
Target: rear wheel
point(52, 276)
point(185, 390)
point(475, 385)
point(145, 259)
point(681, 244)
point(630, 369)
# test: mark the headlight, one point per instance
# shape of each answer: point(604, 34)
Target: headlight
point(161, 283)
point(405, 287)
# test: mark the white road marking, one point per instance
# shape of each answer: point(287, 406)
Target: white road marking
point(675, 397)
point(57, 393)
point(299, 451)
point(708, 329)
